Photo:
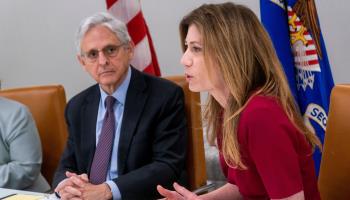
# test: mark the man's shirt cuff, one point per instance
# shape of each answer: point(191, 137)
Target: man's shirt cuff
point(115, 190)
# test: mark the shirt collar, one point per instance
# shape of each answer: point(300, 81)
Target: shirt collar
point(120, 92)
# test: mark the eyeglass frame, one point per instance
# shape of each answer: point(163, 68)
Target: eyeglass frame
point(103, 50)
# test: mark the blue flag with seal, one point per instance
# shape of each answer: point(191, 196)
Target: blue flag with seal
point(294, 29)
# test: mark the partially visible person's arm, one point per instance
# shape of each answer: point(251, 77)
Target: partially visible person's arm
point(226, 192)
point(20, 148)
point(296, 196)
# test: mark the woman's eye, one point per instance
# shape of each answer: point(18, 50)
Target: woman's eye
point(196, 49)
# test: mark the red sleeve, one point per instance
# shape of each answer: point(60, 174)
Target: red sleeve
point(269, 138)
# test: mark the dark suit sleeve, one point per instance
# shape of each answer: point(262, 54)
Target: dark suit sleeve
point(168, 149)
point(68, 160)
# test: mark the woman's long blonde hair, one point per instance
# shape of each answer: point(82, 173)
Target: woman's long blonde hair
point(234, 39)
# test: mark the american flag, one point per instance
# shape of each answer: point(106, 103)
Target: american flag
point(129, 12)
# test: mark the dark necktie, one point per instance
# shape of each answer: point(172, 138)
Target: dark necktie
point(102, 157)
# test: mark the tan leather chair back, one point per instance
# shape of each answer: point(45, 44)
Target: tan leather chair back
point(47, 104)
point(195, 151)
point(334, 178)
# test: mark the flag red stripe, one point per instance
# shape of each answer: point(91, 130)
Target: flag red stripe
point(137, 28)
point(310, 42)
point(150, 69)
point(153, 53)
point(110, 3)
point(313, 62)
point(309, 62)
point(298, 23)
point(311, 52)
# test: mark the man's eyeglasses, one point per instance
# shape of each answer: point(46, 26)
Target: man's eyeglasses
point(108, 51)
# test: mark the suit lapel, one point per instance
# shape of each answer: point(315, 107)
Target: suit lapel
point(135, 100)
point(89, 117)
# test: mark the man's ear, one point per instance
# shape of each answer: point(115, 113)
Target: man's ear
point(131, 48)
point(81, 61)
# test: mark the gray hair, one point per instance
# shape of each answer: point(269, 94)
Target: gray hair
point(104, 19)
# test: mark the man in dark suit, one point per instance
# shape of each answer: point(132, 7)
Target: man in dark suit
point(127, 133)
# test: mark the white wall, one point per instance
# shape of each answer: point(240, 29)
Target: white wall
point(37, 38)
